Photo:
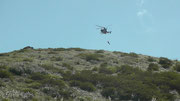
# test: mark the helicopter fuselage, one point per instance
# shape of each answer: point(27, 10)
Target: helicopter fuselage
point(104, 31)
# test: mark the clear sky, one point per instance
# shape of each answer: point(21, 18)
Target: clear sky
point(150, 27)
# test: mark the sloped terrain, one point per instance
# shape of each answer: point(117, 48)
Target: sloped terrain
point(76, 74)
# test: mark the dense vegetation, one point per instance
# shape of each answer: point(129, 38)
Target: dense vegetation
point(75, 74)
point(129, 83)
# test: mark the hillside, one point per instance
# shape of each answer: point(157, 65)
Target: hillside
point(75, 74)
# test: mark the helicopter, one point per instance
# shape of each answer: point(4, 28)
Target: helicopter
point(103, 30)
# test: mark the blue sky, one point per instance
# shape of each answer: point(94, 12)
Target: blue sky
point(150, 27)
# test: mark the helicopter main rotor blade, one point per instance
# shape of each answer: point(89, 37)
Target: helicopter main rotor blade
point(100, 26)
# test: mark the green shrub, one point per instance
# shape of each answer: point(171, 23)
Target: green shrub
point(116, 52)
point(105, 70)
point(2, 84)
point(39, 76)
point(35, 85)
point(35, 99)
point(47, 90)
point(77, 63)
point(109, 92)
point(104, 64)
point(87, 86)
point(82, 76)
point(28, 60)
point(91, 56)
point(3, 67)
point(4, 99)
point(169, 79)
point(4, 54)
point(172, 79)
point(16, 71)
point(100, 51)
point(165, 62)
point(28, 90)
point(95, 69)
point(75, 83)
point(52, 52)
point(68, 66)
point(48, 79)
point(65, 93)
point(126, 69)
point(151, 59)
point(153, 67)
point(60, 71)
point(59, 93)
point(142, 84)
point(47, 66)
point(55, 82)
point(4, 74)
point(124, 54)
point(175, 84)
point(66, 75)
point(132, 54)
point(56, 59)
point(29, 81)
point(177, 67)
point(59, 49)
point(76, 49)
